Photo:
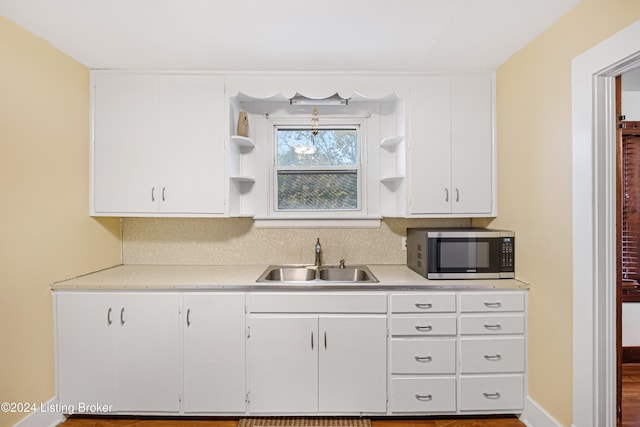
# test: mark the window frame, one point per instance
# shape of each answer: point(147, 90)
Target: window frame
point(327, 122)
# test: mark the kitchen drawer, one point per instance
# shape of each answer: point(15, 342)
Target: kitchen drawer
point(426, 302)
point(491, 302)
point(308, 302)
point(495, 393)
point(423, 356)
point(492, 325)
point(492, 355)
point(423, 394)
point(423, 325)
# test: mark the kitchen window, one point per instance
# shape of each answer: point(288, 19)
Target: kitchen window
point(318, 169)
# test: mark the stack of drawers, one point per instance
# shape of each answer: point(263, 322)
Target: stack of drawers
point(457, 352)
point(423, 352)
point(492, 351)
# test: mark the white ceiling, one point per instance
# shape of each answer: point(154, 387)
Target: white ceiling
point(291, 35)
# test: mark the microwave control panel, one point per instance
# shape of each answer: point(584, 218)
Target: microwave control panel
point(508, 254)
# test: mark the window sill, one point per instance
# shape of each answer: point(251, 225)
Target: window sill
point(368, 222)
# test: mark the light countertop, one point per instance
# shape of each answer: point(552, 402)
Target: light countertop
point(243, 277)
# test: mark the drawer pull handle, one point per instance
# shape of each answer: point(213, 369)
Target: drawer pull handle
point(496, 304)
point(427, 328)
point(493, 357)
point(423, 358)
point(424, 306)
point(109, 321)
point(495, 395)
point(424, 397)
point(188, 317)
point(494, 326)
point(122, 316)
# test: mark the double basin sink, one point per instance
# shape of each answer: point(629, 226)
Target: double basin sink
point(305, 274)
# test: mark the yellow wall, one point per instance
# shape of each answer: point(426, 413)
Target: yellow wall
point(534, 184)
point(46, 233)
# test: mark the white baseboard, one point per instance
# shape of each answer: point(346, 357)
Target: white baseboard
point(534, 415)
point(47, 415)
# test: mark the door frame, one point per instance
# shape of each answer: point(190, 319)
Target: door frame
point(594, 232)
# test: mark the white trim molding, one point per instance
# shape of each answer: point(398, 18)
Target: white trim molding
point(47, 415)
point(594, 239)
point(534, 415)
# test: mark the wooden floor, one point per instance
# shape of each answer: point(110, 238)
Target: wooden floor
point(77, 421)
point(630, 394)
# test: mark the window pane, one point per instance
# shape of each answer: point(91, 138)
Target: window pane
point(330, 147)
point(323, 190)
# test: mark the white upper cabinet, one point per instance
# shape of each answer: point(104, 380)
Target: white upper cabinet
point(158, 145)
point(451, 151)
point(166, 144)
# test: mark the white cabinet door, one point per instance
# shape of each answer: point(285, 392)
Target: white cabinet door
point(430, 146)
point(353, 364)
point(471, 144)
point(158, 144)
point(125, 141)
point(283, 364)
point(86, 328)
point(148, 352)
point(214, 352)
point(192, 160)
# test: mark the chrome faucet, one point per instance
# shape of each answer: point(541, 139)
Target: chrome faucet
point(342, 263)
point(318, 261)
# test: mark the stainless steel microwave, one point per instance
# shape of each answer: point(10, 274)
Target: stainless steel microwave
point(461, 253)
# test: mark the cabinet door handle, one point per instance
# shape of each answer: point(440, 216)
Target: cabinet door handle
point(109, 321)
point(493, 357)
point(495, 395)
point(325, 340)
point(122, 316)
point(163, 190)
point(424, 306)
point(423, 359)
point(496, 304)
point(188, 317)
point(457, 195)
point(425, 328)
point(311, 340)
point(424, 397)
point(153, 194)
point(446, 194)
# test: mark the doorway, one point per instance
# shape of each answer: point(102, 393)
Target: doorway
point(628, 247)
point(593, 233)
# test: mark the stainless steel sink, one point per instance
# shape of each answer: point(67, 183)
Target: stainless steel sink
point(359, 274)
point(288, 274)
point(311, 275)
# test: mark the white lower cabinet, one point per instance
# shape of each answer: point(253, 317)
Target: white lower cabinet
point(213, 327)
point(317, 363)
point(492, 351)
point(292, 353)
point(120, 349)
point(423, 353)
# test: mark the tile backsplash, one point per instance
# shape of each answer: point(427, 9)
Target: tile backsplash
point(229, 241)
